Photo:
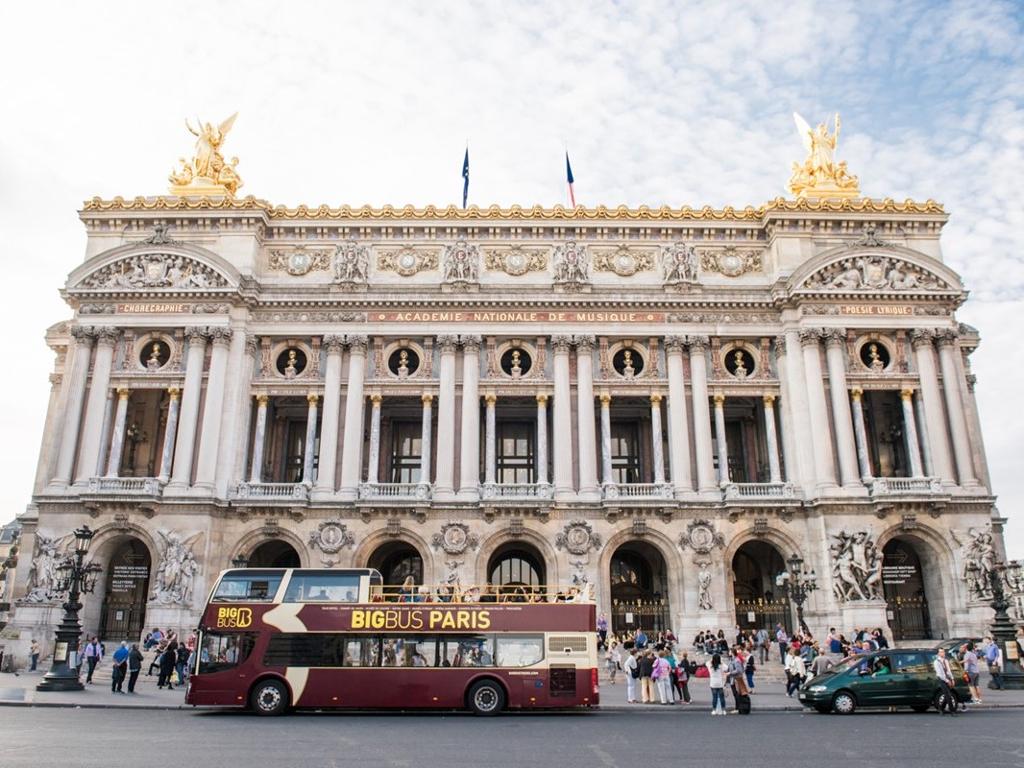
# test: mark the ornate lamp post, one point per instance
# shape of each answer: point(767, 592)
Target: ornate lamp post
point(76, 579)
point(239, 561)
point(1003, 631)
point(798, 582)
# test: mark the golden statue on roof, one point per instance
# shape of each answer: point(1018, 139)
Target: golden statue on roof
point(820, 176)
point(207, 173)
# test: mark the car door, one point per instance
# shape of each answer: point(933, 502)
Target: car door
point(874, 680)
point(917, 682)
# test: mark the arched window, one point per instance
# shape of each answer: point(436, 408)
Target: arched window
point(516, 565)
point(274, 554)
point(396, 562)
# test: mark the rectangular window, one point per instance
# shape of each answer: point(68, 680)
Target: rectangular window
point(515, 452)
point(312, 649)
point(295, 450)
point(406, 451)
point(519, 651)
point(411, 651)
point(248, 586)
point(625, 452)
point(322, 586)
point(470, 651)
point(218, 652)
point(362, 652)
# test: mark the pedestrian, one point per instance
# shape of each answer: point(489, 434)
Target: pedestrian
point(761, 641)
point(632, 670)
point(153, 638)
point(640, 640)
point(33, 653)
point(93, 653)
point(782, 638)
point(972, 670)
point(134, 666)
point(835, 645)
point(947, 699)
point(796, 671)
point(748, 669)
point(646, 663)
point(602, 631)
point(181, 663)
point(610, 662)
point(994, 659)
point(661, 675)
point(717, 673)
point(167, 661)
point(120, 670)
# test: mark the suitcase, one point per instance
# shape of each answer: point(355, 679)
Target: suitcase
point(743, 704)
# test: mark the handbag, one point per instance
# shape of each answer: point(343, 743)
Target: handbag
point(702, 672)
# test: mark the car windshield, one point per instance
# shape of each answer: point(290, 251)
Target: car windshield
point(847, 663)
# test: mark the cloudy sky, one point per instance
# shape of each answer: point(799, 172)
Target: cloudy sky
point(658, 103)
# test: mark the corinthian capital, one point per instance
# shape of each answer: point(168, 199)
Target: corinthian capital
point(470, 343)
point(834, 337)
point(584, 343)
point(946, 337)
point(922, 337)
point(196, 333)
point(447, 342)
point(561, 343)
point(333, 343)
point(220, 336)
point(356, 343)
point(809, 337)
point(697, 344)
point(83, 334)
point(675, 343)
point(107, 336)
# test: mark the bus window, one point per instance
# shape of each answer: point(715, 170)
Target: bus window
point(361, 652)
point(416, 651)
point(519, 651)
point(220, 652)
point(247, 586)
point(322, 587)
point(471, 651)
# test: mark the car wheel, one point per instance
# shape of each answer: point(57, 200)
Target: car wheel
point(486, 698)
point(269, 697)
point(844, 703)
point(920, 708)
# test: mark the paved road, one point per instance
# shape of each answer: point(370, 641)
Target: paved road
point(33, 737)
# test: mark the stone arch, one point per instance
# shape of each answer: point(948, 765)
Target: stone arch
point(533, 538)
point(374, 541)
point(673, 565)
point(796, 282)
point(785, 545)
point(250, 540)
point(203, 256)
point(106, 543)
point(938, 568)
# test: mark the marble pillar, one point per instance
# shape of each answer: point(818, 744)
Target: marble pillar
point(931, 400)
point(117, 437)
point(170, 433)
point(952, 389)
point(259, 439)
point(771, 439)
point(216, 381)
point(701, 414)
point(108, 419)
point(910, 433)
point(330, 416)
point(184, 449)
point(96, 405)
point(426, 437)
point(922, 434)
point(607, 474)
point(352, 440)
point(445, 473)
point(490, 438)
point(821, 432)
point(720, 440)
point(469, 444)
point(678, 428)
point(585, 425)
point(657, 437)
point(373, 457)
point(835, 355)
point(562, 440)
point(542, 439)
point(860, 434)
point(309, 454)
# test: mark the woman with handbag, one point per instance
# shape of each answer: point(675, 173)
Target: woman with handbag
point(717, 672)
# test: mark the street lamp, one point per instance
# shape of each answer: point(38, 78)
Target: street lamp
point(1003, 632)
point(239, 561)
point(797, 583)
point(75, 578)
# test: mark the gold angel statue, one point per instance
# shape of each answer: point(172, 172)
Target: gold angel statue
point(207, 173)
point(820, 175)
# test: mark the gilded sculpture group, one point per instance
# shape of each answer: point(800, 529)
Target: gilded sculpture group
point(818, 176)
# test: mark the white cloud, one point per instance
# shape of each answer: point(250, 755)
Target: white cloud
point(658, 103)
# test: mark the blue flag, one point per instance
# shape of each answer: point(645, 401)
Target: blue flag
point(465, 178)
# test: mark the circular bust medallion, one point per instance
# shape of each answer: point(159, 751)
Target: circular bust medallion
point(515, 263)
point(577, 539)
point(407, 261)
point(731, 264)
point(702, 538)
point(624, 264)
point(298, 263)
point(454, 539)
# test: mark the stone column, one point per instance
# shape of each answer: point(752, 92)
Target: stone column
point(542, 439)
point(426, 438)
point(331, 408)
point(796, 419)
point(469, 453)
point(585, 437)
point(373, 459)
point(922, 434)
point(607, 477)
point(860, 433)
point(184, 449)
point(309, 454)
point(835, 354)
point(259, 439)
point(234, 424)
point(491, 451)
point(720, 440)
point(678, 430)
point(77, 380)
point(445, 473)
point(209, 437)
point(563, 418)
point(657, 454)
point(910, 433)
point(771, 438)
point(352, 441)
point(117, 438)
point(821, 433)
point(931, 401)
point(96, 405)
point(170, 432)
point(952, 388)
point(701, 414)
point(108, 415)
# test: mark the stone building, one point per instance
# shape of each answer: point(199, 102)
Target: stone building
point(665, 404)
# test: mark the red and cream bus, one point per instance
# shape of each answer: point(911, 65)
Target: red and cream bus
point(278, 638)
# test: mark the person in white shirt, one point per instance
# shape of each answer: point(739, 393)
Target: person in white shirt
point(718, 671)
point(943, 671)
point(796, 671)
point(629, 667)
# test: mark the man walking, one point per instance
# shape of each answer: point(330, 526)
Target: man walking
point(994, 658)
point(602, 631)
point(632, 675)
point(947, 699)
point(134, 666)
point(93, 653)
point(972, 670)
point(761, 638)
point(34, 655)
point(782, 638)
point(120, 670)
point(646, 663)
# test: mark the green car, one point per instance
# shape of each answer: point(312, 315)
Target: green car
point(895, 677)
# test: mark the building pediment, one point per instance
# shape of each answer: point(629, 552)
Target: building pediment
point(163, 266)
point(875, 268)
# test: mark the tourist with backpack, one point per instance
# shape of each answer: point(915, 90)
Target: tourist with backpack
point(632, 670)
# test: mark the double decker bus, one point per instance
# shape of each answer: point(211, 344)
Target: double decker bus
point(272, 639)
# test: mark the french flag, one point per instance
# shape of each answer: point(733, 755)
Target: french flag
point(568, 178)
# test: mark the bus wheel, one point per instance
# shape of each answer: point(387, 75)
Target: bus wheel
point(486, 698)
point(269, 697)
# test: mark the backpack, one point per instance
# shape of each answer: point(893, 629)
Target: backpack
point(635, 671)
